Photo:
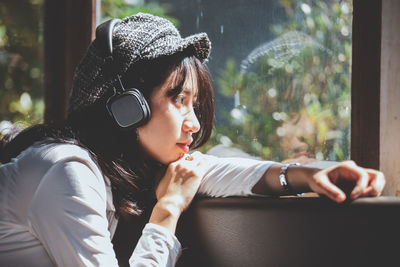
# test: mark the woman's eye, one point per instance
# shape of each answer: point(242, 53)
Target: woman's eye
point(180, 99)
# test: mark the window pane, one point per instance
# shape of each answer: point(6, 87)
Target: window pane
point(281, 72)
point(21, 63)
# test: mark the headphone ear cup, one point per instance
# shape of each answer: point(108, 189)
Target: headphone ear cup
point(129, 109)
point(144, 105)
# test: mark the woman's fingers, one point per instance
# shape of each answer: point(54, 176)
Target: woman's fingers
point(376, 183)
point(347, 177)
point(325, 187)
point(360, 175)
point(192, 164)
point(368, 182)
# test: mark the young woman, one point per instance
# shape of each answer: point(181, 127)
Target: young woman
point(137, 107)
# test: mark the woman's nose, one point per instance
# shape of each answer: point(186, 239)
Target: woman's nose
point(191, 123)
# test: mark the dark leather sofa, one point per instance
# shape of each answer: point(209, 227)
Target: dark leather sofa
point(290, 232)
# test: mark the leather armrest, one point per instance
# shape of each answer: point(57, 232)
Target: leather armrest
point(290, 232)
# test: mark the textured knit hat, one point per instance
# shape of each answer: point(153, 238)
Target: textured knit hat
point(138, 37)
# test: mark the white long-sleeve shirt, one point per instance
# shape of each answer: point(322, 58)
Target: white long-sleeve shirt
point(56, 209)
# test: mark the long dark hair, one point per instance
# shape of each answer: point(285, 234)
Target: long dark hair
point(118, 152)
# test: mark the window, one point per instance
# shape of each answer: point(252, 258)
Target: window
point(281, 72)
point(374, 109)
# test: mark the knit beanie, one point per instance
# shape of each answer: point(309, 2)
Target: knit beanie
point(136, 38)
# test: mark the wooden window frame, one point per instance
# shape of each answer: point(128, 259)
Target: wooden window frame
point(69, 27)
point(375, 89)
point(365, 86)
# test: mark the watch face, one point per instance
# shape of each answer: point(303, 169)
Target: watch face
point(126, 110)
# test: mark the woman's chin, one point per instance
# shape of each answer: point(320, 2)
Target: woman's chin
point(175, 158)
point(168, 160)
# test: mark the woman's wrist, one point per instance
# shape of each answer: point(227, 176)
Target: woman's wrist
point(166, 213)
point(300, 177)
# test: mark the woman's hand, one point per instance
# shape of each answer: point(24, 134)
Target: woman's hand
point(177, 189)
point(347, 180)
point(181, 181)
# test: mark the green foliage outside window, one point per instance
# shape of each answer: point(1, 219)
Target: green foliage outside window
point(21, 63)
point(294, 92)
point(124, 8)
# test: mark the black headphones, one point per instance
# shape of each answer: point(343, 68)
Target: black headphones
point(128, 108)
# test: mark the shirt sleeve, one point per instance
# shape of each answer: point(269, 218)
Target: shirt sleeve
point(68, 216)
point(156, 247)
point(232, 176)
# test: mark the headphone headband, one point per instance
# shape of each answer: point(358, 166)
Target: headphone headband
point(104, 34)
point(128, 109)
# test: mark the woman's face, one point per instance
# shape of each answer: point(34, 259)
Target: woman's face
point(168, 134)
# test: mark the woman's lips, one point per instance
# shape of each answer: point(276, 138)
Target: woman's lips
point(184, 147)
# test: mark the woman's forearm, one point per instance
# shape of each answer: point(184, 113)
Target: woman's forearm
point(297, 178)
point(165, 214)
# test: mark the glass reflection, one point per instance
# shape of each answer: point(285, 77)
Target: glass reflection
point(281, 72)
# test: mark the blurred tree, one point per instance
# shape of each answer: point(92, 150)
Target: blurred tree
point(21, 63)
point(124, 8)
point(292, 95)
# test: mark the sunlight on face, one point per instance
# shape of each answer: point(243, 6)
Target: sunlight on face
point(168, 134)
